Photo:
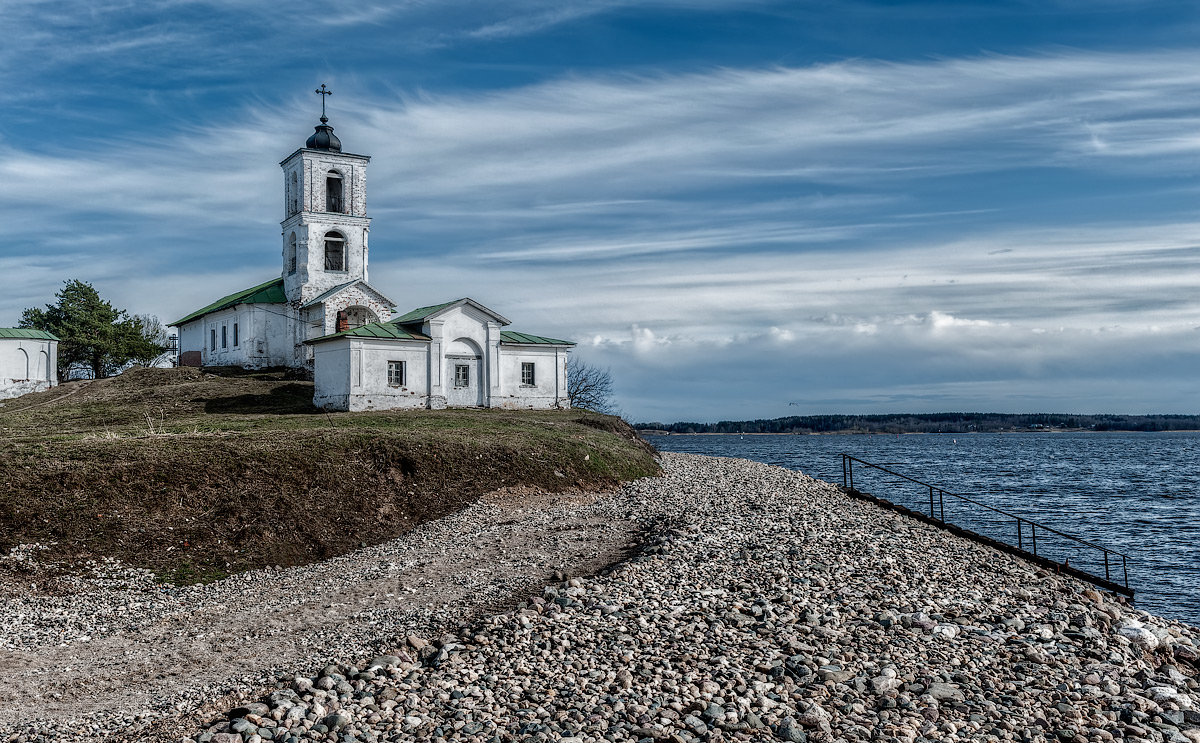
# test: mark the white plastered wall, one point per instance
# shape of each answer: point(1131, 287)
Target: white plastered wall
point(311, 279)
point(468, 323)
point(549, 390)
point(27, 365)
point(331, 374)
point(191, 338)
point(352, 374)
point(264, 336)
point(312, 222)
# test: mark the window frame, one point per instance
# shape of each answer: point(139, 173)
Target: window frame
point(293, 250)
point(333, 236)
point(462, 376)
point(235, 335)
point(335, 204)
point(394, 365)
point(224, 337)
point(212, 339)
point(528, 369)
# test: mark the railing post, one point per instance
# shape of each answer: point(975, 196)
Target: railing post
point(937, 512)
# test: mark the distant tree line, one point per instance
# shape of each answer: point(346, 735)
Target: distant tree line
point(936, 423)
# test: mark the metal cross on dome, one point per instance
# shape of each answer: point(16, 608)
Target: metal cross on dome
point(323, 91)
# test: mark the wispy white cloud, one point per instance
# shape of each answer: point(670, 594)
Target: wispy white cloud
point(525, 17)
point(201, 41)
point(844, 122)
point(667, 140)
point(361, 14)
point(887, 285)
point(669, 217)
point(539, 20)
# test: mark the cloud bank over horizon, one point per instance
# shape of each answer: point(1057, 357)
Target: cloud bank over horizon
point(743, 236)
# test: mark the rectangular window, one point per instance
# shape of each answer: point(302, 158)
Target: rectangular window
point(212, 337)
point(224, 336)
point(396, 374)
point(527, 377)
point(235, 335)
point(292, 262)
point(462, 375)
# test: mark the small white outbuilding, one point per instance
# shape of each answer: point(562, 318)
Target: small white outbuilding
point(28, 361)
point(448, 355)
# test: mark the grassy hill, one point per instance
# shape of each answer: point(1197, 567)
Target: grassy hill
point(196, 475)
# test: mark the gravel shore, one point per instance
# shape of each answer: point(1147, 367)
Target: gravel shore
point(112, 655)
point(762, 605)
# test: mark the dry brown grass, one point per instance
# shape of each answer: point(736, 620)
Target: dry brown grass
point(196, 475)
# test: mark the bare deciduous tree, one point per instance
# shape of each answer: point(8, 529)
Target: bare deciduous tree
point(153, 330)
point(590, 387)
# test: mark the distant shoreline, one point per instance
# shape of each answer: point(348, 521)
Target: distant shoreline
point(952, 423)
point(656, 432)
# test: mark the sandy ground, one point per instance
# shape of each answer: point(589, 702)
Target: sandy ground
point(213, 644)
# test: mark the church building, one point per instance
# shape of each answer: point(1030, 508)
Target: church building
point(322, 315)
point(28, 361)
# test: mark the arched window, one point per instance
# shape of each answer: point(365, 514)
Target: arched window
point(291, 254)
point(294, 195)
point(333, 192)
point(335, 252)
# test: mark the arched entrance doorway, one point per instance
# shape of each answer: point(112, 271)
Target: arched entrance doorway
point(464, 374)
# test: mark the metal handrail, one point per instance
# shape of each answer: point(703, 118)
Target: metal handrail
point(940, 514)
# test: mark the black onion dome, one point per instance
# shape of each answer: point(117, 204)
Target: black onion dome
point(324, 138)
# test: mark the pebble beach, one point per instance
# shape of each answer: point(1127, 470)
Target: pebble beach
point(741, 602)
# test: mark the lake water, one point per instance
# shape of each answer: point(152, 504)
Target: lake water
point(1135, 493)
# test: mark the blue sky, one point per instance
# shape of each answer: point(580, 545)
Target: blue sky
point(744, 209)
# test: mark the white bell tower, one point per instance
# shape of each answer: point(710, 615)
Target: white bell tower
point(326, 225)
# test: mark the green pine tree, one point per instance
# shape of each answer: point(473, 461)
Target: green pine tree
point(93, 333)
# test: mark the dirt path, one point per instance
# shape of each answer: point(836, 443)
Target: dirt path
point(221, 641)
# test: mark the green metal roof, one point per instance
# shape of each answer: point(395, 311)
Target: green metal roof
point(396, 330)
point(421, 313)
point(512, 336)
point(390, 330)
point(28, 334)
point(270, 292)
